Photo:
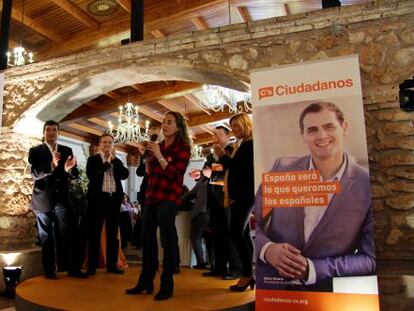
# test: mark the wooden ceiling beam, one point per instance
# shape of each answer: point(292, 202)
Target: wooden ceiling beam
point(187, 8)
point(166, 104)
point(87, 38)
point(200, 119)
point(85, 138)
point(174, 90)
point(125, 4)
point(99, 122)
point(157, 33)
point(138, 87)
point(77, 13)
point(104, 107)
point(204, 138)
point(199, 22)
point(152, 114)
point(113, 95)
point(206, 129)
point(243, 13)
point(170, 105)
point(192, 99)
point(35, 26)
point(12, 43)
point(90, 38)
point(86, 129)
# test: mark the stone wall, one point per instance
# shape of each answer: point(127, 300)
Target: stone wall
point(17, 221)
point(224, 55)
point(380, 32)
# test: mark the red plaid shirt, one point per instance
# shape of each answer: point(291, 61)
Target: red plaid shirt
point(167, 185)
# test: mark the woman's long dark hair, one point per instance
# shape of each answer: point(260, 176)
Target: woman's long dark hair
point(183, 132)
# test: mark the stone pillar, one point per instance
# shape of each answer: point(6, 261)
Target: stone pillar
point(17, 221)
point(132, 187)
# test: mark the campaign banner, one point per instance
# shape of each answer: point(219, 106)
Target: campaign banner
point(314, 235)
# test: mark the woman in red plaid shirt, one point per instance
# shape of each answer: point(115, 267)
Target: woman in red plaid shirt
point(165, 168)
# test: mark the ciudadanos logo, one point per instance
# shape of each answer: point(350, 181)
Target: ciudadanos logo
point(317, 86)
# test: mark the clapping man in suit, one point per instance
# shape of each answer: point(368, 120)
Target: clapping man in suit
point(105, 172)
point(308, 246)
point(52, 167)
point(224, 250)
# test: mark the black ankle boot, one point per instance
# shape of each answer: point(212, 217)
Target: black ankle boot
point(163, 294)
point(138, 289)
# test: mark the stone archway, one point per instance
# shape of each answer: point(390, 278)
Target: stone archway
point(64, 99)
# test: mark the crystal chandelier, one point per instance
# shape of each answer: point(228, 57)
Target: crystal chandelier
point(218, 98)
point(196, 153)
point(128, 129)
point(19, 57)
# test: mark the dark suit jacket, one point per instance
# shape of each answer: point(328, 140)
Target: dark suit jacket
point(95, 169)
point(50, 187)
point(215, 192)
point(342, 244)
point(241, 173)
point(144, 183)
point(199, 197)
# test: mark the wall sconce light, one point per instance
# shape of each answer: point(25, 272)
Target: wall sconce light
point(11, 274)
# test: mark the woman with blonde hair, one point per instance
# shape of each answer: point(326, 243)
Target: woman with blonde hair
point(165, 167)
point(239, 193)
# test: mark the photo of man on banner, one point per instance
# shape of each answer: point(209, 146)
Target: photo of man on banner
point(314, 211)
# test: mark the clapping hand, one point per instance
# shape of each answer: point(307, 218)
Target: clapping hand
point(56, 158)
point(207, 172)
point(111, 155)
point(195, 174)
point(70, 163)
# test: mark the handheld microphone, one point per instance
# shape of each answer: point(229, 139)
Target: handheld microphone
point(153, 137)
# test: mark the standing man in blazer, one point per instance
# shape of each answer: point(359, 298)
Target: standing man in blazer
point(105, 172)
point(52, 168)
point(225, 253)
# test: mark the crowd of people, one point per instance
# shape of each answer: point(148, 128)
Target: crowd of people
point(220, 205)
